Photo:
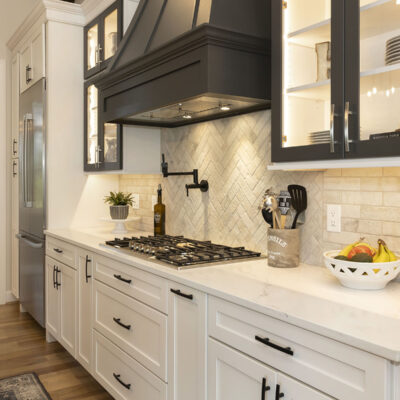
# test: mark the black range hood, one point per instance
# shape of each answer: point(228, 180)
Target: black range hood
point(186, 61)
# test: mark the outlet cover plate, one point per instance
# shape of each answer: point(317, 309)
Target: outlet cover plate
point(135, 201)
point(334, 218)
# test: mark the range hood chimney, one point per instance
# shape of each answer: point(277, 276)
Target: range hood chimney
point(186, 61)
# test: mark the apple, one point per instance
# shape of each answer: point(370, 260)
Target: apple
point(360, 249)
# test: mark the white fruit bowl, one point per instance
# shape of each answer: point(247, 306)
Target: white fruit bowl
point(357, 275)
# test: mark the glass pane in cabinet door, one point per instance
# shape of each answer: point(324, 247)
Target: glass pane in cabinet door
point(92, 47)
point(306, 72)
point(379, 70)
point(92, 125)
point(110, 34)
point(110, 143)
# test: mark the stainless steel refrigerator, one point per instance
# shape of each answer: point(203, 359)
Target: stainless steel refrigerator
point(32, 208)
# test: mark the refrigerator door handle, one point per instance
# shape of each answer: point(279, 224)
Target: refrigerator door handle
point(29, 242)
point(28, 119)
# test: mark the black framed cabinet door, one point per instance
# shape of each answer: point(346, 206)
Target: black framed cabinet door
point(372, 79)
point(102, 141)
point(308, 80)
point(92, 48)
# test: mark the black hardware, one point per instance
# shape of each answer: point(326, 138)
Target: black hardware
point(267, 342)
point(58, 251)
point(118, 321)
point(14, 143)
point(13, 168)
point(179, 293)
point(57, 284)
point(28, 69)
point(88, 260)
point(54, 277)
point(125, 385)
point(120, 278)
point(264, 388)
point(278, 394)
point(203, 185)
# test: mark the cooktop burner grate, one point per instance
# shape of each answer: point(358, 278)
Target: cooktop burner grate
point(180, 251)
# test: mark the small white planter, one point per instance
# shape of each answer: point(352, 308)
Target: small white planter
point(356, 275)
point(119, 212)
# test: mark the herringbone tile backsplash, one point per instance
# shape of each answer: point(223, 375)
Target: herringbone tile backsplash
point(233, 155)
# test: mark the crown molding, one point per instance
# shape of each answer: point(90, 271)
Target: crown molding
point(48, 10)
point(92, 8)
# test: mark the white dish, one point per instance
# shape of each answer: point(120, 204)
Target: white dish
point(356, 275)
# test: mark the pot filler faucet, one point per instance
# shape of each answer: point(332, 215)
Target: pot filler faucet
point(203, 185)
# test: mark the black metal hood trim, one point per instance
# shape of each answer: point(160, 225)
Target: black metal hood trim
point(208, 60)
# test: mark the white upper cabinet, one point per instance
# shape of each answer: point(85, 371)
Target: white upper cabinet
point(32, 60)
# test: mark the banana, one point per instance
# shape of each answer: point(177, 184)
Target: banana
point(392, 257)
point(345, 252)
point(382, 256)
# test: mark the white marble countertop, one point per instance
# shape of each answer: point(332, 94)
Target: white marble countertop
point(308, 296)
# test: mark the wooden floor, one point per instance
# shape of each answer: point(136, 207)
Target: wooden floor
point(23, 348)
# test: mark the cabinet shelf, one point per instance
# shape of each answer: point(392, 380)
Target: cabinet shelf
point(372, 15)
point(369, 79)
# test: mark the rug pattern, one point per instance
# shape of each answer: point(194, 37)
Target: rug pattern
point(23, 387)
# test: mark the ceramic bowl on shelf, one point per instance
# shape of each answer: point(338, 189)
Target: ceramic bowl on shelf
point(358, 275)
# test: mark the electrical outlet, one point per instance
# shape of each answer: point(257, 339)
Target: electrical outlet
point(135, 201)
point(334, 218)
point(153, 201)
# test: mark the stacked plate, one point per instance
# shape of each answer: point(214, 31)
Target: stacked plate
point(319, 137)
point(392, 55)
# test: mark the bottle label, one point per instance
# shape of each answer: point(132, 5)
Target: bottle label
point(157, 218)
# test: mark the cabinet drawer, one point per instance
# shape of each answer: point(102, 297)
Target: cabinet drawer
point(148, 288)
point(122, 376)
point(61, 251)
point(135, 328)
point(339, 370)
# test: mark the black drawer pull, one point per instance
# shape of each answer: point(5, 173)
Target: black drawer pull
point(278, 394)
point(118, 378)
point(179, 293)
point(87, 276)
point(120, 278)
point(118, 321)
point(58, 251)
point(264, 388)
point(266, 341)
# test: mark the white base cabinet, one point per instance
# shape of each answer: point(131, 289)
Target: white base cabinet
point(85, 299)
point(187, 343)
point(144, 337)
point(61, 303)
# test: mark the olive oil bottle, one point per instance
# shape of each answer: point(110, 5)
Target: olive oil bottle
point(159, 215)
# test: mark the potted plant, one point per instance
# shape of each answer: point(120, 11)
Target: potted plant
point(119, 204)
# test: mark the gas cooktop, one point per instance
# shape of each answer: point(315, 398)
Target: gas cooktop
point(179, 251)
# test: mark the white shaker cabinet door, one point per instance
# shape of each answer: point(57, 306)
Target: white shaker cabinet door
point(52, 299)
point(187, 343)
point(84, 320)
point(290, 389)
point(234, 376)
point(67, 291)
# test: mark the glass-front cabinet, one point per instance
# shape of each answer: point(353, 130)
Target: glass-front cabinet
point(101, 39)
point(336, 79)
point(103, 142)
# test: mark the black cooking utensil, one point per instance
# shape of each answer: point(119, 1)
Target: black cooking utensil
point(268, 217)
point(299, 201)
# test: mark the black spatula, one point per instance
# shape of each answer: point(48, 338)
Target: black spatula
point(299, 201)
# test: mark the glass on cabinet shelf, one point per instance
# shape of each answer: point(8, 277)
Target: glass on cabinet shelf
point(92, 47)
point(306, 92)
point(379, 97)
point(110, 34)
